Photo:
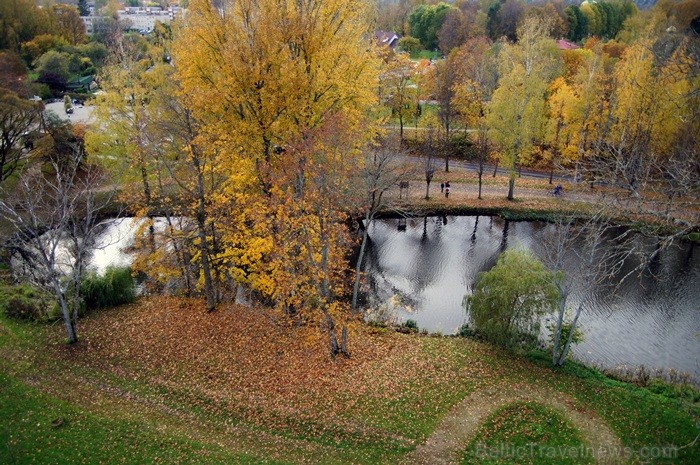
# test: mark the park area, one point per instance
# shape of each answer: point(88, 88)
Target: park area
point(160, 380)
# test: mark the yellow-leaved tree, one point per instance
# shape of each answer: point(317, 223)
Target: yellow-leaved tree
point(283, 89)
point(516, 113)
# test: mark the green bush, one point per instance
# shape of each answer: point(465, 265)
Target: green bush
point(25, 302)
point(509, 299)
point(114, 288)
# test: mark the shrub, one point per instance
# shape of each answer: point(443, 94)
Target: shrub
point(114, 288)
point(409, 326)
point(509, 299)
point(465, 331)
point(27, 303)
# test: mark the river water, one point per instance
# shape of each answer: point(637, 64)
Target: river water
point(422, 268)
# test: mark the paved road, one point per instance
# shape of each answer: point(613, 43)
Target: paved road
point(81, 114)
point(488, 169)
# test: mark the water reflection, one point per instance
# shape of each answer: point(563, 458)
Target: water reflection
point(652, 318)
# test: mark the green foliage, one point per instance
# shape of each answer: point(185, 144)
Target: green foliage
point(425, 22)
point(509, 299)
point(116, 287)
point(411, 325)
point(53, 70)
point(529, 426)
point(409, 44)
point(565, 331)
point(27, 303)
point(465, 331)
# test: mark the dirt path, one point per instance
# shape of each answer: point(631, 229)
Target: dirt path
point(456, 430)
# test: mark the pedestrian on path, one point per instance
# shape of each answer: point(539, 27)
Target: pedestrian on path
point(447, 191)
point(442, 187)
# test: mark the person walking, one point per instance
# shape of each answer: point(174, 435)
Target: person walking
point(442, 187)
point(447, 191)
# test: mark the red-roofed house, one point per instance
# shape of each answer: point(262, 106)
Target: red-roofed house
point(566, 45)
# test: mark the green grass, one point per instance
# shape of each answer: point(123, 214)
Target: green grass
point(36, 427)
point(425, 55)
point(526, 433)
point(376, 429)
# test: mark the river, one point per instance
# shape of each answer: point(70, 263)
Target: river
point(422, 268)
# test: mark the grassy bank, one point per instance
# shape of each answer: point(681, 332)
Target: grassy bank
point(161, 379)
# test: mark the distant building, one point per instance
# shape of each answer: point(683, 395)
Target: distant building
point(141, 19)
point(387, 39)
point(566, 45)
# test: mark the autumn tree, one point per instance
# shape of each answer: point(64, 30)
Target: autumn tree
point(396, 84)
point(477, 76)
point(17, 118)
point(442, 81)
point(67, 23)
point(283, 90)
point(516, 112)
point(650, 102)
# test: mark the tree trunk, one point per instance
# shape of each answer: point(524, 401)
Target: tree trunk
point(427, 190)
point(71, 334)
point(344, 342)
point(360, 258)
point(572, 330)
point(495, 169)
point(400, 129)
point(203, 242)
point(511, 186)
point(332, 339)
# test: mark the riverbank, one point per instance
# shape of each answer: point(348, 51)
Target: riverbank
point(533, 201)
point(162, 380)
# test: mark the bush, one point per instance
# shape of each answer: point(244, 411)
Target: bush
point(114, 288)
point(509, 299)
point(409, 326)
point(26, 303)
point(465, 331)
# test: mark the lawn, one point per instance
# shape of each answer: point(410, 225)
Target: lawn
point(163, 380)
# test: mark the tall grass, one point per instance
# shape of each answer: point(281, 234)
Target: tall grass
point(115, 287)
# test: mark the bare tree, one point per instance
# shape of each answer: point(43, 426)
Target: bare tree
point(384, 168)
point(580, 246)
point(55, 205)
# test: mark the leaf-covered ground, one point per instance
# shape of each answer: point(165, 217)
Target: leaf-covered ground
point(244, 383)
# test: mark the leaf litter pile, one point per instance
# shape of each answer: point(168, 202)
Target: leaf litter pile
point(247, 369)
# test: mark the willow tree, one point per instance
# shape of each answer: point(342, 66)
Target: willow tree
point(516, 114)
point(282, 88)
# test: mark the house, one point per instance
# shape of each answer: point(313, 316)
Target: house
point(83, 85)
point(566, 45)
point(386, 39)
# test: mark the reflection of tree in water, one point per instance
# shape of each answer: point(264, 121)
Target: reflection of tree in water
point(427, 256)
point(377, 283)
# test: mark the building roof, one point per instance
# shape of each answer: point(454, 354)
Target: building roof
point(385, 38)
point(566, 45)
